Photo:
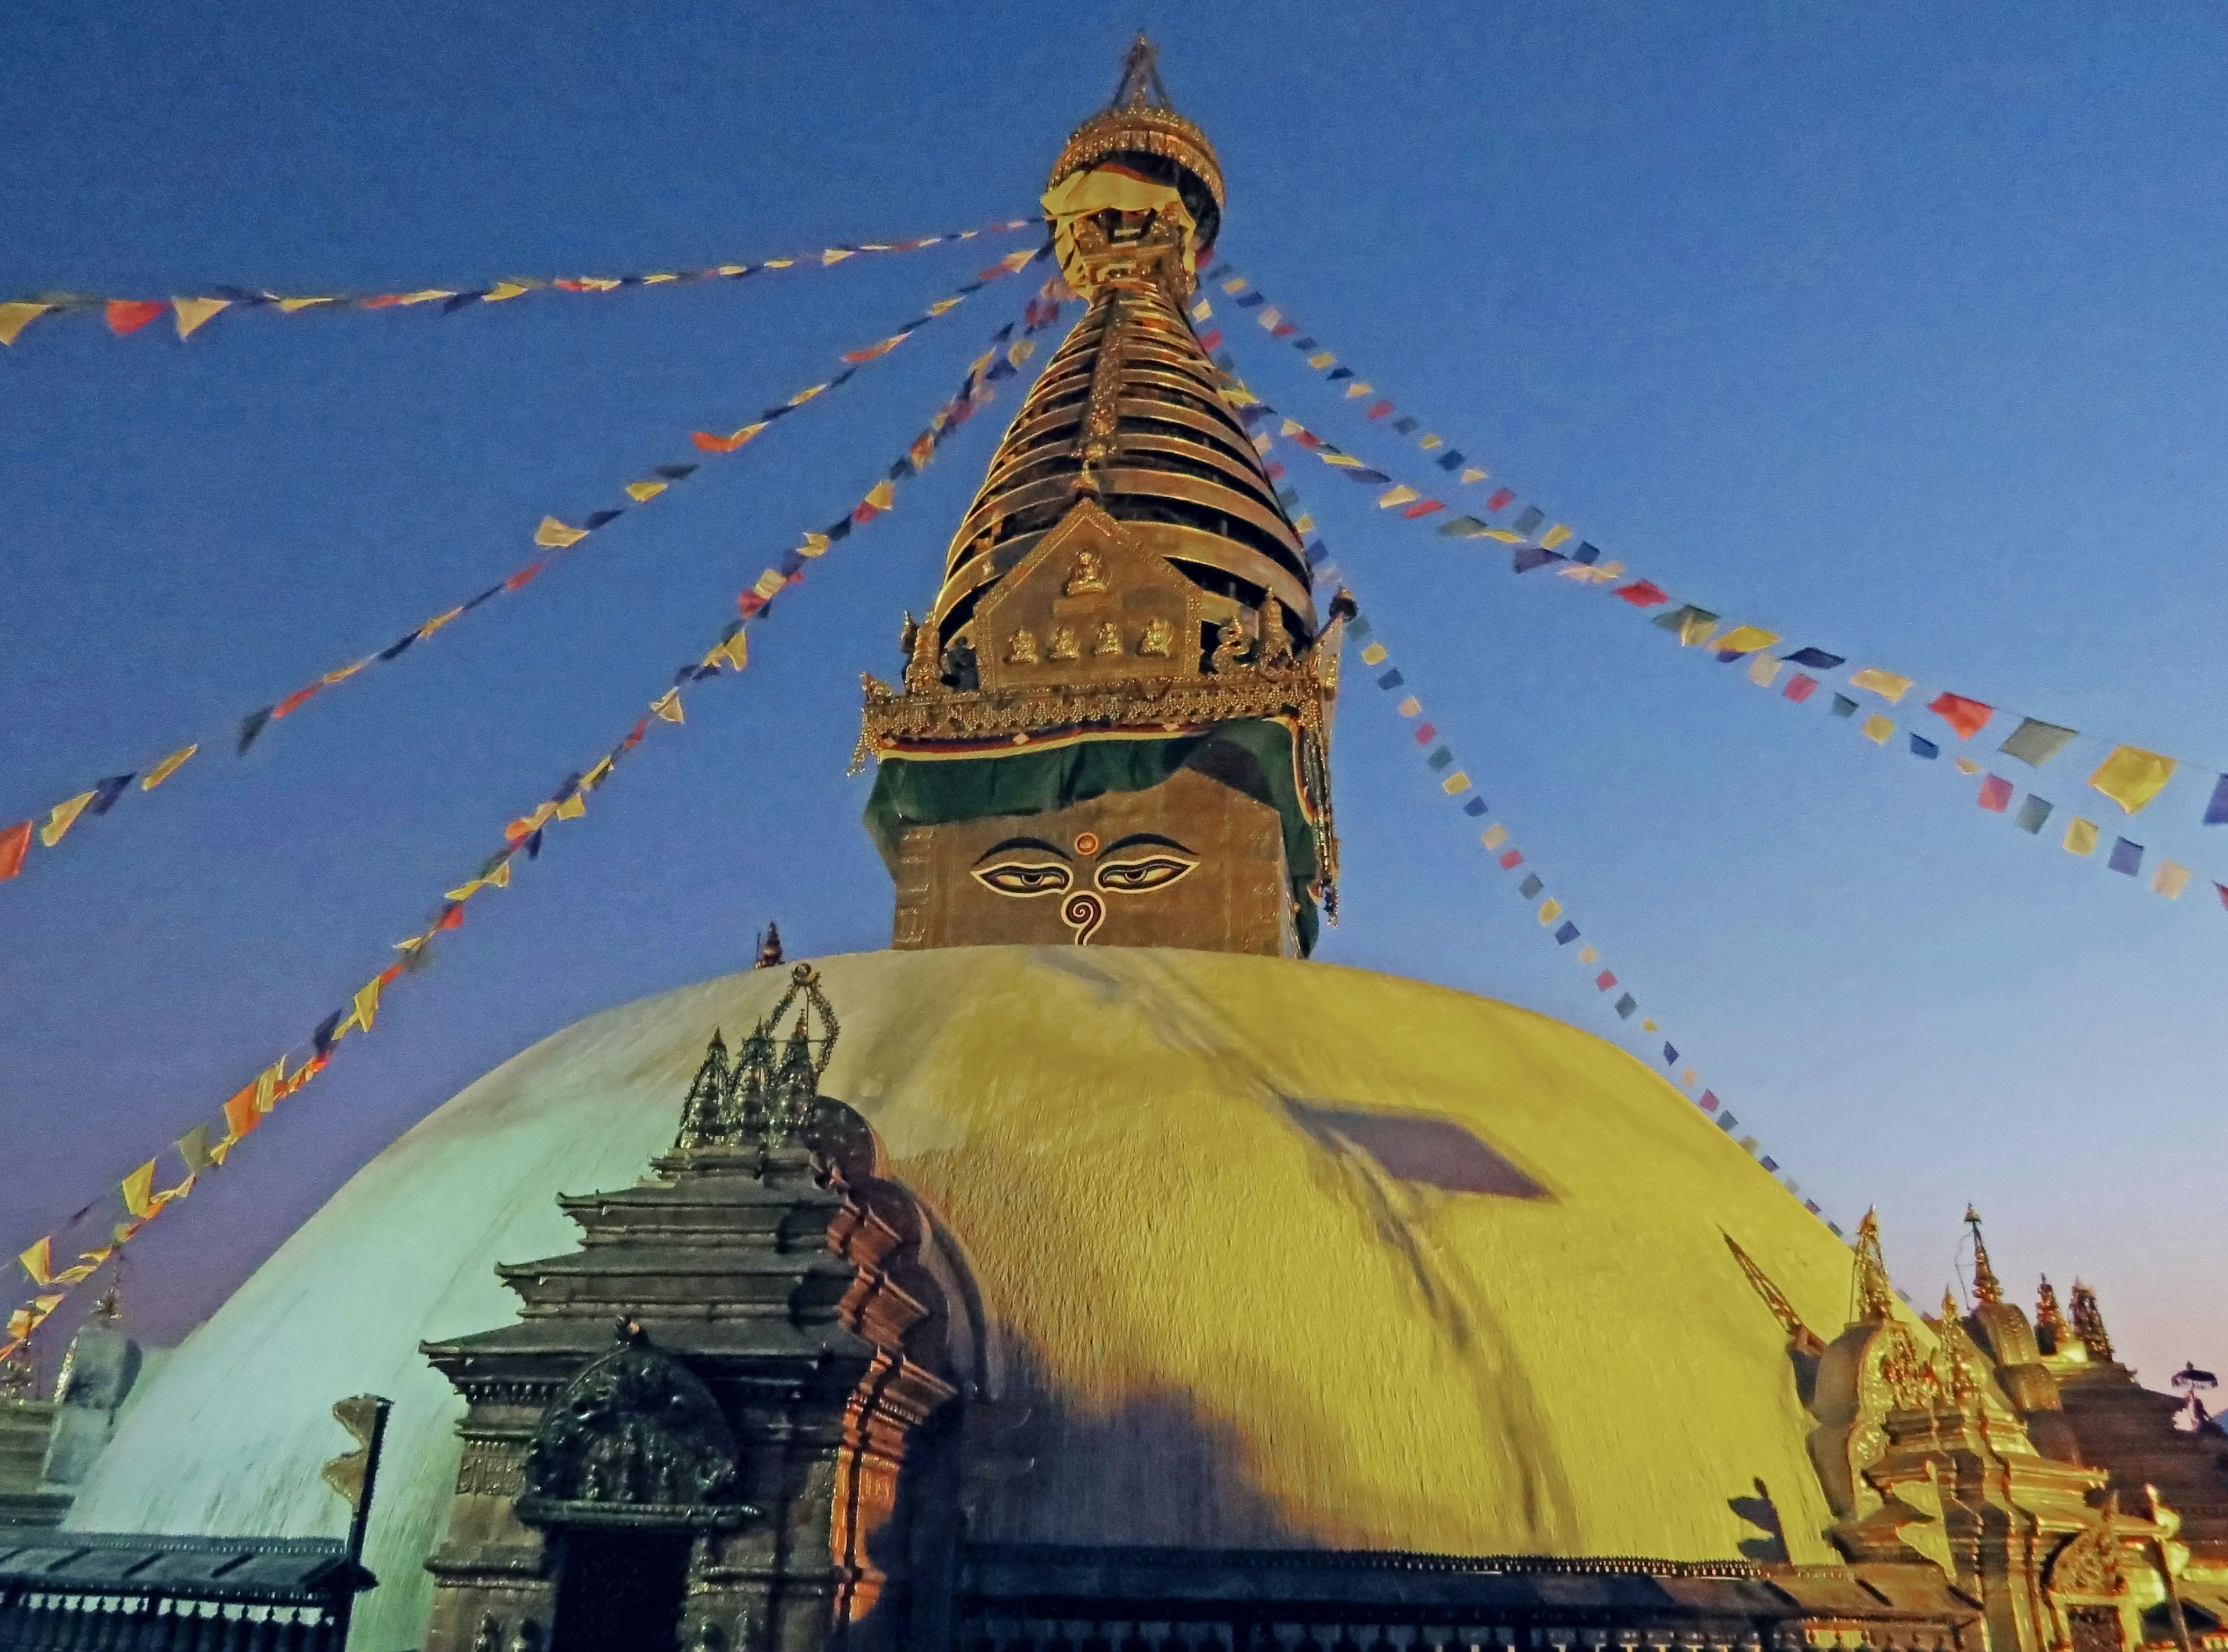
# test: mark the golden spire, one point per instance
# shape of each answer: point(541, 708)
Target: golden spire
point(2089, 1322)
point(1875, 1296)
point(2050, 1326)
point(1985, 1287)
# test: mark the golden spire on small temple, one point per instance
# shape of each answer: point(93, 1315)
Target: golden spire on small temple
point(2089, 1322)
point(1875, 1296)
point(1986, 1286)
point(2050, 1327)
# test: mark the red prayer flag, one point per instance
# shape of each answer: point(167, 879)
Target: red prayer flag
point(294, 701)
point(1425, 735)
point(520, 580)
point(1642, 594)
point(1510, 858)
point(14, 842)
point(1709, 1104)
point(1499, 500)
point(129, 315)
point(1422, 507)
point(1996, 792)
point(1307, 438)
point(1282, 329)
point(2223, 888)
point(1968, 716)
point(1380, 410)
point(452, 916)
point(750, 602)
point(1604, 980)
point(1211, 341)
point(1276, 470)
point(389, 300)
point(1800, 688)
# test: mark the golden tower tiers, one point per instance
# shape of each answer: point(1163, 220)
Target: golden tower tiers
point(1114, 722)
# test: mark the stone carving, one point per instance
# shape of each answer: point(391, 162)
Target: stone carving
point(635, 1427)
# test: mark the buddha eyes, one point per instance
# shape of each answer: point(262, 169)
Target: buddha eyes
point(1023, 878)
point(1135, 877)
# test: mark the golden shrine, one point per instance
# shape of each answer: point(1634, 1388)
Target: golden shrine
point(1089, 1270)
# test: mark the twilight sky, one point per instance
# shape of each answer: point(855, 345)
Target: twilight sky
point(1895, 332)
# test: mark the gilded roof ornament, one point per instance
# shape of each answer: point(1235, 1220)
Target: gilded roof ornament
point(2050, 1325)
point(1875, 1296)
point(1986, 1286)
point(2089, 1322)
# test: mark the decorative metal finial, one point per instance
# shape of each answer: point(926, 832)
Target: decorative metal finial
point(1875, 1296)
point(1141, 74)
point(2051, 1330)
point(762, 1096)
point(2089, 1322)
point(1986, 1286)
point(769, 947)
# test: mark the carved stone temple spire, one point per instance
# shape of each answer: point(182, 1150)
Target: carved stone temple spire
point(1113, 725)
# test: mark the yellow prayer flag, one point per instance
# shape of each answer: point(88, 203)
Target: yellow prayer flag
point(2081, 837)
point(1323, 359)
point(342, 673)
point(734, 652)
point(659, 279)
point(597, 776)
point(642, 492)
point(170, 766)
point(1647, 1026)
point(1762, 669)
point(1290, 427)
point(1427, 443)
point(1554, 536)
point(943, 305)
point(1454, 784)
point(1885, 683)
point(366, 1010)
point(462, 892)
point(555, 535)
point(2132, 776)
point(883, 494)
point(1201, 310)
point(2171, 878)
point(835, 255)
point(267, 1082)
point(1966, 766)
point(667, 706)
point(39, 1262)
point(815, 543)
point(138, 1189)
point(14, 318)
point(1550, 910)
point(1021, 350)
point(1471, 473)
point(192, 314)
point(500, 878)
point(62, 818)
point(1303, 523)
point(1374, 654)
point(573, 807)
point(1357, 388)
point(1399, 494)
point(437, 622)
point(291, 306)
point(805, 395)
point(1878, 729)
point(1271, 318)
point(503, 290)
point(1410, 706)
point(430, 293)
point(777, 263)
point(1746, 639)
point(1236, 283)
point(1493, 836)
point(1587, 954)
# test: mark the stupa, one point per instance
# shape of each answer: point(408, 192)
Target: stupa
point(1091, 1269)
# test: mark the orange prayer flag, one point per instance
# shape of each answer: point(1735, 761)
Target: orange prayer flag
point(1968, 716)
point(452, 918)
point(129, 315)
point(294, 701)
point(241, 1114)
point(14, 843)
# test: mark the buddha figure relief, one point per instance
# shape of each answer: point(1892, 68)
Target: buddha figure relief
point(1061, 644)
point(1109, 640)
point(1021, 650)
point(1159, 636)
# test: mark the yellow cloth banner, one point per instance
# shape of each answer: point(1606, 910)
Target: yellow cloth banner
point(2132, 776)
point(1746, 639)
point(290, 305)
point(1885, 683)
point(642, 492)
point(138, 1189)
point(1399, 494)
point(1357, 388)
point(1762, 669)
point(2171, 878)
point(194, 314)
point(1493, 836)
point(1554, 536)
point(366, 1009)
point(667, 706)
point(1410, 706)
point(735, 651)
point(554, 535)
point(14, 318)
point(62, 818)
point(170, 766)
point(1696, 629)
point(1878, 729)
point(883, 494)
point(2081, 837)
point(571, 809)
point(1454, 784)
point(1550, 910)
point(1374, 654)
point(39, 1262)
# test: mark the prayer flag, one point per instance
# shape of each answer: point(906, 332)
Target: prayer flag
point(1502, 498)
point(1549, 911)
point(1554, 536)
point(1587, 956)
point(554, 535)
point(2081, 837)
point(1422, 509)
point(2032, 814)
point(642, 492)
point(1528, 557)
point(1996, 794)
point(1493, 836)
point(195, 313)
point(105, 793)
point(14, 843)
point(1626, 1006)
point(1399, 495)
point(518, 581)
point(170, 766)
point(1454, 784)
point(1462, 527)
point(1374, 654)
point(241, 1114)
point(1698, 624)
point(1528, 521)
point(1670, 1057)
point(2216, 810)
point(138, 1190)
point(2127, 858)
point(1800, 688)
point(1877, 730)
point(1844, 706)
point(1473, 473)
point(2131, 777)
point(1815, 659)
point(1922, 747)
point(2171, 878)
point(1604, 980)
point(1475, 807)
point(1965, 765)
point(1968, 716)
point(1511, 859)
point(1566, 934)
point(1531, 886)
point(667, 706)
point(129, 315)
point(735, 650)
point(1439, 759)
point(2035, 743)
point(1761, 670)
point(39, 1262)
point(1885, 683)
point(1709, 1101)
point(1641, 593)
point(1746, 639)
point(61, 817)
point(1410, 706)
point(14, 318)
point(1391, 679)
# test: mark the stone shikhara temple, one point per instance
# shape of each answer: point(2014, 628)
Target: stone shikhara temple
point(1108, 1276)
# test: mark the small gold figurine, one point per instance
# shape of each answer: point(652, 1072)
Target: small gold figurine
point(1110, 638)
point(1061, 644)
point(1157, 639)
point(1229, 647)
point(1089, 575)
point(1275, 640)
point(1022, 649)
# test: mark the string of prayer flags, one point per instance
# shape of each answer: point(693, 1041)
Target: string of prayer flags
point(1549, 911)
point(2131, 777)
point(125, 316)
point(553, 536)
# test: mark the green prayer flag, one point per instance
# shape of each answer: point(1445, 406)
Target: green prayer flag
point(2035, 743)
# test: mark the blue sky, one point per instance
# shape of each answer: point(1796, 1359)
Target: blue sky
point(1895, 332)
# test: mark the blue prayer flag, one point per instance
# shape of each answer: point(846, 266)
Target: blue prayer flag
point(1530, 519)
point(1670, 1055)
point(1815, 659)
point(1586, 552)
point(2216, 811)
point(1844, 706)
point(1921, 747)
point(1404, 425)
point(1475, 807)
point(1626, 1006)
point(1768, 1162)
point(1318, 553)
point(1439, 759)
point(2127, 858)
point(1450, 460)
point(1531, 886)
point(2032, 812)
point(1250, 301)
point(1567, 934)
point(1392, 679)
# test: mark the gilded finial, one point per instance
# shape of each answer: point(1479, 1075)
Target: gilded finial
point(2089, 1322)
point(1141, 73)
point(2050, 1327)
point(1986, 1286)
point(1875, 1296)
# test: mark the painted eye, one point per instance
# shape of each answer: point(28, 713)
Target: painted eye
point(1024, 878)
point(1135, 876)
